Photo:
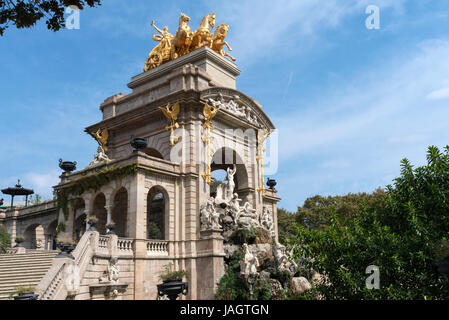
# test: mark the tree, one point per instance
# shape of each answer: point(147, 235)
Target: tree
point(25, 13)
point(403, 235)
point(5, 240)
point(36, 199)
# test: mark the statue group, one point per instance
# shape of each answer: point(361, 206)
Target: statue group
point(184, 41)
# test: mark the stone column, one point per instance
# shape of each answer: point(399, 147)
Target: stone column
point(109, 213)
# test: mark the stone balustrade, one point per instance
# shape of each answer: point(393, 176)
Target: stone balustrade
point(157, 248)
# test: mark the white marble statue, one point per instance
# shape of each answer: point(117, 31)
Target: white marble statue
point(248, 217)
point(249, 264)
point(230, 177)
point(113, 270)
point(266, 221)
point(99, 158)
point(210, 217)
point(284, 258)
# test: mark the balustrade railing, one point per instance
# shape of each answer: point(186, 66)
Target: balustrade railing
point(157, 248)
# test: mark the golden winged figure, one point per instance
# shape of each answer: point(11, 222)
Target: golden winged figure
point(209, 112)
point(102, 137)
point(171, 113)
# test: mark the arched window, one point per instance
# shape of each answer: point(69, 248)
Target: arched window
point(100, 212)
point(156, 214)
point(120, 212)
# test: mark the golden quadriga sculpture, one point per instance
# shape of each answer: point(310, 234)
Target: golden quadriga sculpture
point(184, 41)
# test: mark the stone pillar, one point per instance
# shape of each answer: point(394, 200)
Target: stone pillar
point(210, 266)
point(109, 213)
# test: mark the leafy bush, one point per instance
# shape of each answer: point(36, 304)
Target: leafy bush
point(403, 234)
point(243, 235)
point(5, 240)
point(21, 290)
point(170, 274)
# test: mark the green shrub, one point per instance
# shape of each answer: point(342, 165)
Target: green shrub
point(243, 235)
point(5, 240)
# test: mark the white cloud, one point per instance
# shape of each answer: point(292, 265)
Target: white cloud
point(371, 123)
point(439, 94)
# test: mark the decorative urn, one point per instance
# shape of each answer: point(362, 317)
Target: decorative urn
point(172, 288)
point(67, 166)
point(26, 296)
point(110, 228)
point(139, 144)
point(66, 250)
point(271, 183)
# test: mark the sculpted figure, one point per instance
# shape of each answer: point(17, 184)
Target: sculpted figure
point(248, 216)
point(218, 41)
point(210, 217)
point(234, 207)
point(266, 221)
point(202, 37)
point(249, 264)
point(284, 259)
point(113, 270)
point(160, 53)
point(230, 178)
point(99, 157)
point(183, 37)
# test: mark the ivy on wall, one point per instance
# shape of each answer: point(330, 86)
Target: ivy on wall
point(91, 182)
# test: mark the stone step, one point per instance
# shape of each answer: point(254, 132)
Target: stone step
point(32, 274)
point(26, 256)
point(27, 270)
point(24, 265)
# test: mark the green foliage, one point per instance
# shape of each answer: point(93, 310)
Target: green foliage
point(5, 240)
point(61, 227)
point(170, 274)
point(21, 290)
point(35, 200)
point(25, 13)
point(154, 232)
point(93, 181)
point(231, 285)
point(243, 235)
point(403, 234)
point(286, 225)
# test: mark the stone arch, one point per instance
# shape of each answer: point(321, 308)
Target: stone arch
point(120, 212)
point(50, 235)
point(157, 143)
point(99, 211)
point(224, 158)
point(34, 237)
point(158, 205)
point(79, 225)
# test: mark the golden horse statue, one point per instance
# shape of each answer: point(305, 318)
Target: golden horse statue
point(183, 37)
point(184, 41)
point(218, 41)
point(202, 35)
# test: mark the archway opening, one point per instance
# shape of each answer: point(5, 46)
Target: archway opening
point(34, 237)
point(225, 158)
point(156, 214)
point(120, 212)
point(50, 236)
point(79, 227)
point(218, 178)
point(100, 212)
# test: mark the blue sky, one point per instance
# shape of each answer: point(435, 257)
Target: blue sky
point(349, 102)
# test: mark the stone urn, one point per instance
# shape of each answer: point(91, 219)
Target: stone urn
point(67, 166)
point(271, 183)
point(139, 144)
point(26, 296)
point(110, 228)
point(66, 250)
point(172, 288)
point(19, 242)
point(92, 224)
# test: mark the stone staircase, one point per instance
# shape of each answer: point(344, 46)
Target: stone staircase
point(25, 269)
